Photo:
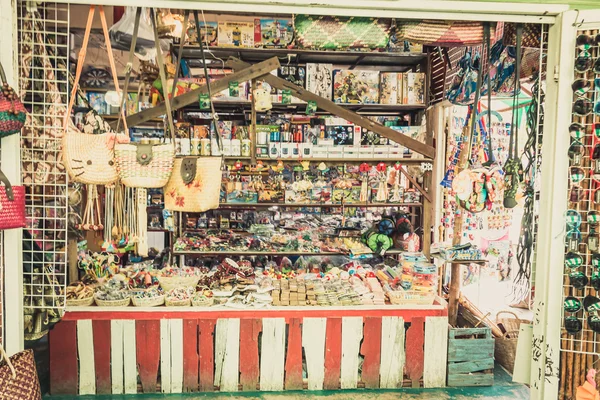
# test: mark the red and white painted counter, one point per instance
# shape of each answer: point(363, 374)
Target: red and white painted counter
point(96, 350)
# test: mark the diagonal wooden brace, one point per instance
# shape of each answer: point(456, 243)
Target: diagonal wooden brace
point(244, 74)
point(337, 110)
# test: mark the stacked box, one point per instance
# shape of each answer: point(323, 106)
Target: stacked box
point(413, 90)
point(236, 34)
point(319, 79)
point(389, 88)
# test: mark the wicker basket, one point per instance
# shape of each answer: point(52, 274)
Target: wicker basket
point(505, 350)
point(399, 297)
point(202, 301)
point(88, 301)
point(155, 174)
point(168, 283)
point(112, 303)
point(148, 301)
point(177, 303)
point(197, 195)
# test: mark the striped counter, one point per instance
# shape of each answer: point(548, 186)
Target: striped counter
point(96, 350)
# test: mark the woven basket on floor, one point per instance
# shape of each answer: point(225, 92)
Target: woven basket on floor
point(505, 349)
point(18, 376)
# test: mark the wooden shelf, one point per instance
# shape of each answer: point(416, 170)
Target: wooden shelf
point(317, 205)
point(334, 160)
point(400, 61)
point(267, 253)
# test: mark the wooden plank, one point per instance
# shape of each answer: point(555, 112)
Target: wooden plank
point(470, 380)
point(460, 332)
point(436, 352)
point(272, 354)
point(176, 356)
point(245, 74)
point(333, 354)
point(231, 359)
point(129, 362)
point(352, 334)
point(147, 338)
point(190, 355)
point(340, 111)
point(371, 351)
point(116, 356)
point(85, 352)
point(470, 366)
point(206, 334)
point(415, 337)
point(63, 358)
point(249, 359)
point(220, 345)
point(313, 341)
point(165, 355)
point(293, 359)
point(392, 353)
point(102, 336)
point(470, 350)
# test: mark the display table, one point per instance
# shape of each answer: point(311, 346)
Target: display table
point(96, 350)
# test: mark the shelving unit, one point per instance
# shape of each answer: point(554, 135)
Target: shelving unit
point(269, 253)
point(317, 205)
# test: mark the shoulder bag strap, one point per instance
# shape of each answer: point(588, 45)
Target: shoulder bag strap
point(513, 151)
point(474, 113)
point(487, 36)
point(82, 54)
point(128, 69)
point(163, 77)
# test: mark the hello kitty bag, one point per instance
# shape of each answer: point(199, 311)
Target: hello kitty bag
point(89, 157)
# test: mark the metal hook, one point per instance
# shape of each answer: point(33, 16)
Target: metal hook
point(578, 25)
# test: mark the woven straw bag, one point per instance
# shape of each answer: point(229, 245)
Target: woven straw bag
point(18, 377)
point(12, 205)
point(441, 33)
point(12, 111)
point(90, 158)
point(147, 165)
point(194, 185)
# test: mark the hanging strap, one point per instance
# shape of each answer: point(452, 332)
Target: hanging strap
point(488, 43)
point(83, 52)
point(128, 69)
point(215, 117)
point(513, 151)
point(163, 77)
point(4, 356)
point(180, 52)
point(474, 113)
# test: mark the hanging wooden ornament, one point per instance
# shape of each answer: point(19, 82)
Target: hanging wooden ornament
point(142, 222)
point(364, 169)
point(92, 218)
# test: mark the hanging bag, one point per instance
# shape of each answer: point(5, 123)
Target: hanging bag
point(147, 165)
point(18, 376)
point(12, 205)
point(12, 111)
point(195, 183)
point(89, 158)
point(464, 84)
point(442, 33)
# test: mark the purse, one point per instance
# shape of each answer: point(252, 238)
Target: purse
point(12, 111)
point(89, 158)
point(18, 376)
point(12, 205)
point(195, 184)
point(146, 165)
point(530, 37)
point(464, 84)
point(441, 33)
point(324, 32)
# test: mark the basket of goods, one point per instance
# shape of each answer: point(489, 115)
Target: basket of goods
point(410, 297)
point(203, 298)
point(79, 295)
point(151, 297)
point(113, 293)
point(174, 278)
point(179, 297)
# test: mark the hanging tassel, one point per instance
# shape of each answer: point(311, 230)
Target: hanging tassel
point(142, 222)
point(364, 190)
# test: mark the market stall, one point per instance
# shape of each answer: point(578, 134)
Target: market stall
point(294, 230)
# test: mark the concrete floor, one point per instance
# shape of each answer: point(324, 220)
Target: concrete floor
point(503, 389)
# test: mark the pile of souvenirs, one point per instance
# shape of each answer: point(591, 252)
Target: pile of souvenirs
point(310, 281)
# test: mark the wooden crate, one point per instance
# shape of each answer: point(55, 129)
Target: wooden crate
point(470, 357)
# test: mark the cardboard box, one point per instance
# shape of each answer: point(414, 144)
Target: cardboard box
point(274, 150)
point(273, 33)
point(335, 152)
point(236, 34)
point(340, 134)
point(351, 151)
point(365, 152)
point(380, 153)
point(319, 79)
point(388, 88)
point(413, 88)
point(242, 196)
point(356, 87)
point(306, 150)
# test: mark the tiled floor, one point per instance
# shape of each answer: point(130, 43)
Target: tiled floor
point(503, 389)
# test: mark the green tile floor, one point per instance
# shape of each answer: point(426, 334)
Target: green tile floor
point(503, 389)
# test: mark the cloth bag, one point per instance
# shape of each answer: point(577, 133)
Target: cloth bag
point(195, 184)
point(18, 376)
point(464, 84)
point(12, 111)
point(441, 33)
point(146, 165)
point(89, 158)
point(12, 205)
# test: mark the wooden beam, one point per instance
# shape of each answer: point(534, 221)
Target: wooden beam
point(416, 184)
point(245, 74)
point(340, 111)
